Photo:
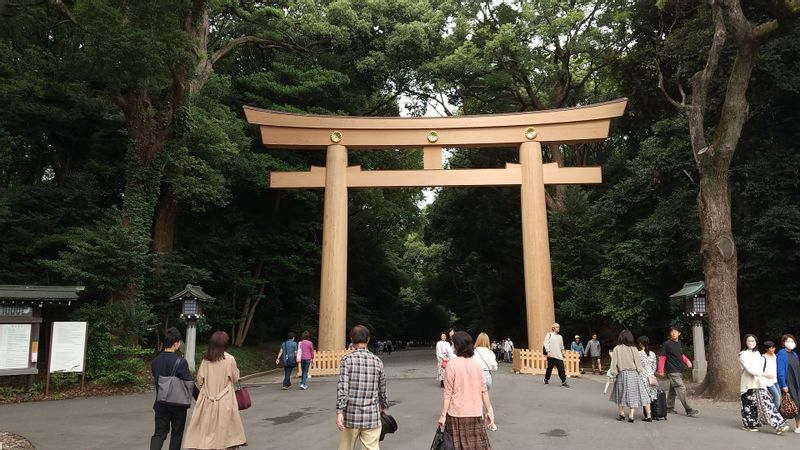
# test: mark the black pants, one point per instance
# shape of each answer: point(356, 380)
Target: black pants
point(166, 417)
point(559, 364)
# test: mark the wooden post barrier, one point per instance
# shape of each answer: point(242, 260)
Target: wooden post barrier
point(326, 363)
point(534, 362)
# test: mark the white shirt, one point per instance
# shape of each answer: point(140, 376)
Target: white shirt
point(772, 369)
point(486, 358)
point(508, 345)
point(444, 350)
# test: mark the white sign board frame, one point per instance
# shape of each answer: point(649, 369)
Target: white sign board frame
point(67, 349)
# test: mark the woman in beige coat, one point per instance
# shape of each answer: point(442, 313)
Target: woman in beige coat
point(216, 423)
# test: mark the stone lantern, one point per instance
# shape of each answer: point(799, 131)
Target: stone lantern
point(693, 296)
point(192, 299)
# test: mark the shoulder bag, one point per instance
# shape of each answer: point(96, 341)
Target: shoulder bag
point(174, 391)
point(243, 397)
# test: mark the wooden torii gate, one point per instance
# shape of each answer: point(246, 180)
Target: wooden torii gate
point(527, 130)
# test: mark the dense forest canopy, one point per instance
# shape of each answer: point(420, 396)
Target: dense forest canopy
point(126, 164)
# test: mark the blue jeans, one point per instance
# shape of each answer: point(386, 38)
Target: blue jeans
point(775, 393)
point(287, 375)
point(304, 365)
point(488, 377)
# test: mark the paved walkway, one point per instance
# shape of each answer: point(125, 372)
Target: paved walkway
point(530, 415)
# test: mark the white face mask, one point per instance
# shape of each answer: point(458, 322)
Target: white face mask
point(789, 345)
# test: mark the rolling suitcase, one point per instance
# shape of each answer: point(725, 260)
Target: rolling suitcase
point(658, 407)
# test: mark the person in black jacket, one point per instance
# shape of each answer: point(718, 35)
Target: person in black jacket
point(167, 415)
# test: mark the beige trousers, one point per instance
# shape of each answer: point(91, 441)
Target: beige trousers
point(369, 438)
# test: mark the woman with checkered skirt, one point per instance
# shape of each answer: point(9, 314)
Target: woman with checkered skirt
point(629, 389)
point(465, 396)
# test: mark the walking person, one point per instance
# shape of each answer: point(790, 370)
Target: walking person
point(593, 352)
point(444, 351)
point(488, 362)
point(672, 360)
point(649, 365)
point(772, 369)
point(360, 395)
point(169, 363)
point(757, 407)
point(287, 357)
point(306, 353)
point(508, 349)
point(788, 366)
point(216, 423)
point(554, 349)
point(577, 346)
point(629, 388)
point(465, 397)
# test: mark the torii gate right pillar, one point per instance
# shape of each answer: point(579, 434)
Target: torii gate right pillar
point(535, 246)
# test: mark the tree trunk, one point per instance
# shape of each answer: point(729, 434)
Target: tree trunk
point(250, 305)
point(164, 226)
point(720, 267)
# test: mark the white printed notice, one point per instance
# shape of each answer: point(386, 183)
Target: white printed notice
point(69, 346)
point(15, 344)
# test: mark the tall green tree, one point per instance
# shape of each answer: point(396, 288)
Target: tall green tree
point(714, 142)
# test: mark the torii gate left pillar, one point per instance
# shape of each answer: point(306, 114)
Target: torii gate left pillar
point(526, 130)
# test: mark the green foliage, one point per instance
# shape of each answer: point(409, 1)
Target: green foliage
point(102, 255)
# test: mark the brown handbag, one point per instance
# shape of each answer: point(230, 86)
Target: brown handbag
point(788, 407)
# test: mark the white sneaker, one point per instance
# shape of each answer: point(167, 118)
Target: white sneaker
point(797, 430)
point(303, 387)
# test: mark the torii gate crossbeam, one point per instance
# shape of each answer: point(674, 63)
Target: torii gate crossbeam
point(528, 130)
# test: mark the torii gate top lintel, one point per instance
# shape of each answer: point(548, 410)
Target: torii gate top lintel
point(568, 125)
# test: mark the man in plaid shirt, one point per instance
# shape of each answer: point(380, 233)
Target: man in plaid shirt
point(360, 394)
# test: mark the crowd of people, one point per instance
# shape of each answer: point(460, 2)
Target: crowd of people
point(769, 382)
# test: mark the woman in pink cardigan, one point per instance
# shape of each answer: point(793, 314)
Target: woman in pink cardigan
point(465, 394)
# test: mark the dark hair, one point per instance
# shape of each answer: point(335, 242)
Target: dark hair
point(217, 346)
point(744, 342)
point(644, 341)
point(306, 335)
point(787, 336)
point(290, 335)
point(769, 344)
point(171, 336)
point(463, 344)
point(625, 338)
point(671, 329)
point(359, 334)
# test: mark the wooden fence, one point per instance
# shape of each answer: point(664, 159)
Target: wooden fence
point(533, 362)
point(326, 363)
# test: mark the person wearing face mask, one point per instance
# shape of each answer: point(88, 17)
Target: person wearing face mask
point(788, 364)
point(757, 407)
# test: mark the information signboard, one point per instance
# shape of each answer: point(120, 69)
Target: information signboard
point(69, 347)
point(15, 345)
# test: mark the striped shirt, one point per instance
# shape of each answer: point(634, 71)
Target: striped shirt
point(361, 390)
